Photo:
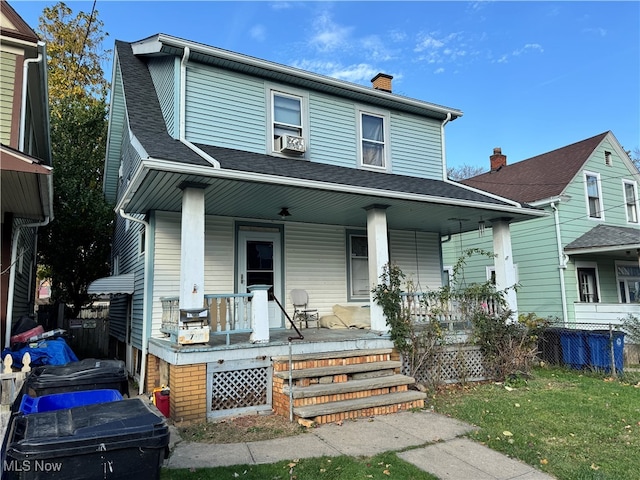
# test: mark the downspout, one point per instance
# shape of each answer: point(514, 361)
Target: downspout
point(23, 103)
point(183, 111)
point(562, 262)
point(444, 155)
point(12, 274)
point(145, 296)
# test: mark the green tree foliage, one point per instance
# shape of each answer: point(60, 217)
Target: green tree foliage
point(74, 249)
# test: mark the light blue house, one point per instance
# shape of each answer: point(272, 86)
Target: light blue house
point(237, 180)
point(579, 264)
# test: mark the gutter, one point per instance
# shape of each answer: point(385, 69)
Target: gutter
point(444, 153)
point(12, 274)
point(183, 111)
point(562, 262)
point(23, 102)
point(145, 296)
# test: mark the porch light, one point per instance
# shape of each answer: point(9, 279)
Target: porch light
point(284, 213)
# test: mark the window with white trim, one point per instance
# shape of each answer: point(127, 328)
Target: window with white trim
point(358, 266)
point(373, 139)
point(628, 279)
point(593, 192)
point(287, 119)
point(587, 273)
point(631, 200)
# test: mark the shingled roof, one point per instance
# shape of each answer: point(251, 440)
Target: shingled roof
point(602, 236)
point(540, 177)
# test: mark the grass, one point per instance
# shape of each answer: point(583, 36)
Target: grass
point(383, 466)
point(574, 426)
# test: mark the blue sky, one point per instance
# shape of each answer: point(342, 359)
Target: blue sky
point(529, 77)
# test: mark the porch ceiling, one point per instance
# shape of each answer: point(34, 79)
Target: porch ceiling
point(161, 190)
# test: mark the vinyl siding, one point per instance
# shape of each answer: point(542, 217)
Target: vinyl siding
point(118, 310)
point(7, 86)
point(225, 109)
point(315, 261)
point(229, 109)
point(219, 260)
point(24, 287)
point(416, 146)
point(162, 72)
point(418, 256)
point(126, 247)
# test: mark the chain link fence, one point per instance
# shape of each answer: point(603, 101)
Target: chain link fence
point(598, 347)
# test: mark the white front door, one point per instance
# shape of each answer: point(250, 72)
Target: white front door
point(260, 263)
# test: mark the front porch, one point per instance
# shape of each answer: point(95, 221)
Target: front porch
point(335, 373)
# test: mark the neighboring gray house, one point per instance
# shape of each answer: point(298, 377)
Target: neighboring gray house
point(237, 180)
point(582, 262)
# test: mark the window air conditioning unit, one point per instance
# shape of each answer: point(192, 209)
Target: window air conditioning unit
point(290, 144)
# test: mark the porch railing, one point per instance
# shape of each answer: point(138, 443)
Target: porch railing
point(227, 314)
point(453, 314)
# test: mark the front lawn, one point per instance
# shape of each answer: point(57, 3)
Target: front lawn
point(572, 425)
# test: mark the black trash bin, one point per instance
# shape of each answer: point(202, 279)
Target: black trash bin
point(88, 374)
point(116, 440)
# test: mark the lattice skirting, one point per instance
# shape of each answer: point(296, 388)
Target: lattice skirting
point(238, 387)
point(453, 364)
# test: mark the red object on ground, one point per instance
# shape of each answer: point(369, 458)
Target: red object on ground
point(161, 400)
point(25, 336)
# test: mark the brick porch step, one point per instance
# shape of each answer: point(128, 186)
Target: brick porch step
point(389, 399)
point(319, 390)
point(339, 370)
point(301, 357)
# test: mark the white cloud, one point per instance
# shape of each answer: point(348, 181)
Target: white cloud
point(597, 30)
point(329, 36)
point(258, 32)
point(438, 70)
point(527, 48)
point(357, 73)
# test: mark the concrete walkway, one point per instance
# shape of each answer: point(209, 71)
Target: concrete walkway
point(428, 440)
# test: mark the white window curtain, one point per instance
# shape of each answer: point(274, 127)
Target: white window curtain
point(372, 140)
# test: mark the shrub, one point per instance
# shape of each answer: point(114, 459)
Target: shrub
point(631, 325)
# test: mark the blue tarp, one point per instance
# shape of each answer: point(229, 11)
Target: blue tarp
point(53, 351)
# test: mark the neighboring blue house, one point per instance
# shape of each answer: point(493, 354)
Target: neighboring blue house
point(581, 263)
point(237, 180)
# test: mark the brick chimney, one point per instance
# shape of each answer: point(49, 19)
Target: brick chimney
point(382, 81)
point(498, 160)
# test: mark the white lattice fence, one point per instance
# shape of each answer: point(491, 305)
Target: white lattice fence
point(453, 364)
point(237, 387)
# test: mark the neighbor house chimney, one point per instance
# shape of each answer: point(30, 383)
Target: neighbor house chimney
point(498, 160)
point(382, 81)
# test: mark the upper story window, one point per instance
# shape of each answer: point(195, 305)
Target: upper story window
point(288, 123)
point(593, 189)
point(631, 200)
point(373, 143)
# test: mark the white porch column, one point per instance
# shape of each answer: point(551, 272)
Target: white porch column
point(259, 314)
point(192, 248)
point(378, 246)
point(505, 271)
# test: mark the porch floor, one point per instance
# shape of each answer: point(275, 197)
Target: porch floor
point(315, 340)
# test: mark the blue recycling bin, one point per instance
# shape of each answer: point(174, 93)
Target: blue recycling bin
point(574, 348)
point(60, 401)
point(600, 350)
